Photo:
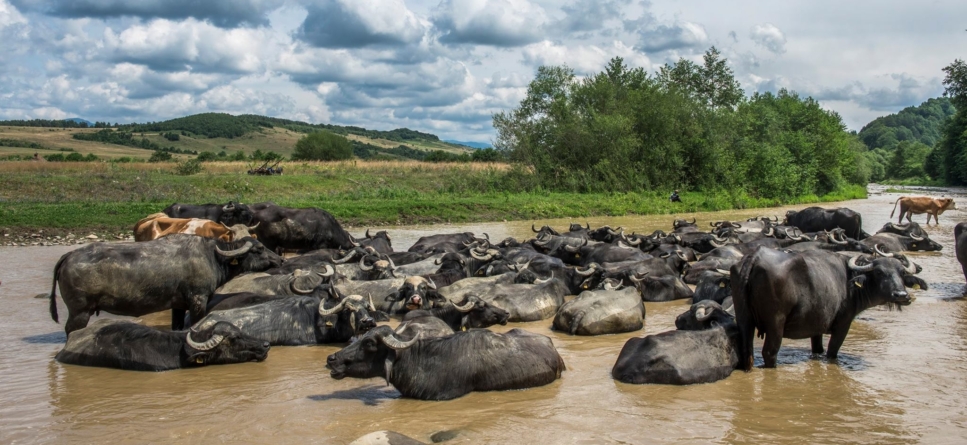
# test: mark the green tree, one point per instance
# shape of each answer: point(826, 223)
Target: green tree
point(160, 156)
point(953, 146)
point(713, 82)
point(322, 146)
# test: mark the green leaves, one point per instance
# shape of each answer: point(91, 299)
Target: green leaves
point(322, 146)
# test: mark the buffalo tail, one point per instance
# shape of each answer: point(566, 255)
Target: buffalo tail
point(53, 288)
point(744, 317)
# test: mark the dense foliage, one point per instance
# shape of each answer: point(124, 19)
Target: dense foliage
point(127, 139)
point(322, 146)
point(949, 160)
point(687, 127)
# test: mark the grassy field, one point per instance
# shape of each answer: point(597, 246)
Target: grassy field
point(279, 140)
point(111, 197)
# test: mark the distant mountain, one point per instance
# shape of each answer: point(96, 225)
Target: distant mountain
point(470, 144)
point(81, 121)
point(921, 123)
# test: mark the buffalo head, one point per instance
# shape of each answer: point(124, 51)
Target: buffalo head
point(223, 343)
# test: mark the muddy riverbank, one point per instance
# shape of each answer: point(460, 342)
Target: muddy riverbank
point(902, 376)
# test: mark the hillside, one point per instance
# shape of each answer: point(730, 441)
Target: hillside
point(921, 123)
point(214, 132)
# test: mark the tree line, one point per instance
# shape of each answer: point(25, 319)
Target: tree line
point(688, 126)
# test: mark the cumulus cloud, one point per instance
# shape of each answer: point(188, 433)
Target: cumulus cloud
point(359, 23)
point(588, 15)
point(769, 37)
point(584, 59)
point(655, 36)
point(222, 13)
point(504, 23)
point(9, 15)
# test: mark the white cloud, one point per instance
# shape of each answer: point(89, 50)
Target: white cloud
point(503, 23)
point(769, 37)
point(359, 23)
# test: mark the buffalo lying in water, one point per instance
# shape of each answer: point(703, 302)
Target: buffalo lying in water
point(808, 294)
point(468, 314)
point(131, 346)
point(445, 368)
point(603, 311)
point(704, 349)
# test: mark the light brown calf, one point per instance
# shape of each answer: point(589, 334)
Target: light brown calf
point(922, 204)
point(156, 225)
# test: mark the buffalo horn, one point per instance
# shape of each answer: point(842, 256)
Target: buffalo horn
point(915, 237)
point(206, 346)
point(327, 271)
point(876, 248)
point(395, 343)
point(715, 243)
point(438, 261)
point(466, 307)
point(909, 266)
point(587, 271)
point(852, 265)
point(665, 255)
point(345, 259)
point(236, 252)
point(333, 310)
point(542, 281)
point(363, 266)
point(770, 232)
point(372, 307)
point(723, 271)
point(251, 228)
point(476, 255)
point(368, 236)
point(431, 283)
point(701, 314)
point(534, 229)
point(299, 291)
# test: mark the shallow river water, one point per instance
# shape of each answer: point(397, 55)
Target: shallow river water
point(902, 376)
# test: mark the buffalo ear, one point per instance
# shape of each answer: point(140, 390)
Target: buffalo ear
point(858, 281)
point(379, 316)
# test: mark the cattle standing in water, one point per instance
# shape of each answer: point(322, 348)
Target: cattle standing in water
point(229, 214)
point(445, 368)
point(808, 294)
point(300, 320)
point(960, 237)
point(177, 272)
point(603, 311)
point(815, 219)
point(126, 345)
point(917, 205)
point(704, 349)
point(299, 229)
point(157, 225)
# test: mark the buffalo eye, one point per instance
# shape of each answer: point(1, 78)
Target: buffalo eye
point(370, 345)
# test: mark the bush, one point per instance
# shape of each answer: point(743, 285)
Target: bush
point(207, 156)
point(189, 167)
point(160, 156)
point(322, 146)
point(74, 157)
point(172, 136)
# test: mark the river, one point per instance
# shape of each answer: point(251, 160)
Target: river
point(901, 377)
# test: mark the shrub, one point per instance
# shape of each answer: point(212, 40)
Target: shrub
point(160, 156)
point(189, 167)
point(322, 146)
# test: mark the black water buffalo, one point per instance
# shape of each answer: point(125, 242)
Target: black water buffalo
point(525, 301)
point(960, 237)
point(907, 229)
point(299, 229)
point(228, 214)
point(661, 287)
point(891, 242)
point(470, 313)
point(684, 226)
point(445, 368)
point(701, 242)
point(298, 282)
point(600, 253)
point(443, 243)
point(300, 320)
point(714, 285)
point(814, 219)
point(177, 272)
point(318, 260)
point(415, 293)
point(127, 345)
point(704, 349)
point(602, 311)
point(381, 241)
point(808, 294)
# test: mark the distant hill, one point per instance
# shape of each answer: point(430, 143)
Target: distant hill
point(470, 144)
point(81, 121)
point(921, 123)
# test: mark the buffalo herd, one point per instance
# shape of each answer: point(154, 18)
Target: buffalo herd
point(296, 277)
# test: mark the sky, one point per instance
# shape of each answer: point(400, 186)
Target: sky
point(446, 67)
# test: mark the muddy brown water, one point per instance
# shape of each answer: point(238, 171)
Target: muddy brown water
point(902, 377)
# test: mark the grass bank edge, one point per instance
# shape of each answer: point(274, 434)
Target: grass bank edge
point(424, 208)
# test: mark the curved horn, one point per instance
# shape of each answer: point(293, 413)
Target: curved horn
point(876, 248)
point(438, 261)
point(587, 225)
point(909, 266)
point(372, 307)
point(540, 281)
point(346, 258)
point(852, 265)
point(915, 237)
point(637, 278)
point(206, 346)
point(299, 291)
point(368, 235)
point(723, 271)
point(477, 256)
point(327, 271)
point(838, 238)
point(681, 255)
point(333, 310)
point(771, 232)
point(712, 224)
point(431, 283)
point(395, 343)
point(251, 228)
point(534, 230)
point(588, 271)
point(715, 243)
point(571, 249)
point(236, 252)
point(363, 266)
point(665, 255)
point(735, 225)
point(702, 313)
point(466, 307)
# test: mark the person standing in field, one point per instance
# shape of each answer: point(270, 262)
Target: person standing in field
point(674, 197)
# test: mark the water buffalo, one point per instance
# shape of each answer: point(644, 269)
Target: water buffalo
point(527, 300)
point(415, 293)
point(229, 214)
point(922, 204)
point(960, 236)
point(300, 320)
point(661, 287)
point(602, 311)
point(381, 242)
point(470, 313)
point(445, 368)
point(299, 229)
point(177, 272)
point(891, 242)
point(814, 219)
point(131, 346)
point(704, 349)
point(713, 285)
point(444, 243)
point(908, 229)
point(808, 294)
point(298, 282)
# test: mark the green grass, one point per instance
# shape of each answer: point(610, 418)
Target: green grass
point(112, 197)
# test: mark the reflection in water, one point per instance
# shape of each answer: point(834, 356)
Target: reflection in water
point(901, 377)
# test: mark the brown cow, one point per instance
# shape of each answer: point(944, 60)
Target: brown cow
point(922, 204)
point(156, 225)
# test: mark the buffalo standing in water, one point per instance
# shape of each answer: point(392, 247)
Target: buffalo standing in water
point(808, 294)
point(704, 349)
point(445, 368)
point(960, 235)
point(177, 272)
point(126, 345)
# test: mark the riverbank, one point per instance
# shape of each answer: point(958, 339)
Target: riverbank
point(107, 199)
